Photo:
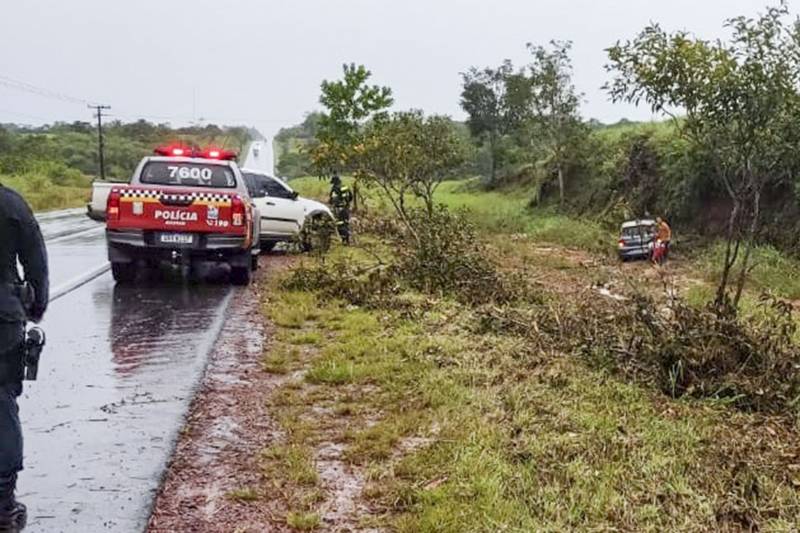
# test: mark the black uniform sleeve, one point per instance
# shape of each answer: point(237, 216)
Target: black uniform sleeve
point(33, 257)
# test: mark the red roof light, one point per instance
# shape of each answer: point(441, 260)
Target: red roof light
point(185, 151)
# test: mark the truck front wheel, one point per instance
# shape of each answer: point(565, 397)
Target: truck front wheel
point(123, 272)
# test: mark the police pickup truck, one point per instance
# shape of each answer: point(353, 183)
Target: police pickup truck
point(183, 205)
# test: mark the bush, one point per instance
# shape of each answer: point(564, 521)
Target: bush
point(680, 349)
point(443, 258)
point(446, 258)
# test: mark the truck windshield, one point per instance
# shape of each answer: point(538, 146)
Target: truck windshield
point(188, 174)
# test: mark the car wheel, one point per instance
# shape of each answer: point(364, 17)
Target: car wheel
point(240, 275)
point(123, 272)
point(267, 246)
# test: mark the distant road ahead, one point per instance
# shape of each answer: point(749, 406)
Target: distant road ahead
point(265, 160)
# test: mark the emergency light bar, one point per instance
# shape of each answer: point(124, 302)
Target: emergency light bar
point(186, 151)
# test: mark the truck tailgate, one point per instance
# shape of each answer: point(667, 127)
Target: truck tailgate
point(176, 210)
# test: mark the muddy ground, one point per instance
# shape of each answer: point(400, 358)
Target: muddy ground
point(229, 423)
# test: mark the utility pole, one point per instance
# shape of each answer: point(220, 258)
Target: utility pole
point(101, 156)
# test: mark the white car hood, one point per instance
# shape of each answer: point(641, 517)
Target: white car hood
point(310, 206)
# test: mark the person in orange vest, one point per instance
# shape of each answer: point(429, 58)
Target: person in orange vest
point(663, 238)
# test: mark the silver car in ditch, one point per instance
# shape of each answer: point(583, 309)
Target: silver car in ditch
point(636, 239)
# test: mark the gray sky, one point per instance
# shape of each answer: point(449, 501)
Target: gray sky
point(260, 62)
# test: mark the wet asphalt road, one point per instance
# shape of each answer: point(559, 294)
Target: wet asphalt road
point(115, 381)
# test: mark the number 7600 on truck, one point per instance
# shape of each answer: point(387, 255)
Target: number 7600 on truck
point(183, 205)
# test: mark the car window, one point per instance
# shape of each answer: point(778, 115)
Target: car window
point(636, 231)
point(260, 186)
point(251, 181)
point(275, 189)
point(187, 174)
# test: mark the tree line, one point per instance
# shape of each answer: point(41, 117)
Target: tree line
point(68, 151)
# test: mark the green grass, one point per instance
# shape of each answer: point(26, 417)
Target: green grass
point(295, 462)
point(314, 187)
point(513, 440)
point(459, 430)
point(773, 271)
point(303, 521)
point(294, 311)
point(502, 213)
point(312, 338)
point(279, 359)
point(43, 194)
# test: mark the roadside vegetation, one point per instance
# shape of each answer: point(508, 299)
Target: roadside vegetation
point(520, 397)
point(53, 166)
point(480, 361)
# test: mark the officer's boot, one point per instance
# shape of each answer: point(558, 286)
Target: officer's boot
point(13, 514)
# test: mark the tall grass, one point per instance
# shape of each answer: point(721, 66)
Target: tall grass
point(771, 270)
point(509, 212)
point(46, 193)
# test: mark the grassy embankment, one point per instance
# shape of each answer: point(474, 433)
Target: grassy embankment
point(450, 425)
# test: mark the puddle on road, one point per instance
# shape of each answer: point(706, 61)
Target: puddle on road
point(114, 384)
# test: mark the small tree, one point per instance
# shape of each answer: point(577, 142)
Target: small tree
point(408, 154)
point(554, 103)
point(495, 101)
point(349, 103)
point(741, 106)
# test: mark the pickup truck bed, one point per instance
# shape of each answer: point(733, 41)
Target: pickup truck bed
point(96, 209)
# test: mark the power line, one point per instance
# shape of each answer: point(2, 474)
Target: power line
point(29, 88)
point(40, 91)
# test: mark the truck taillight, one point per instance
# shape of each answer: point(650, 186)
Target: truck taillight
point(621, 243)
point(237, 211)
point(112, 205)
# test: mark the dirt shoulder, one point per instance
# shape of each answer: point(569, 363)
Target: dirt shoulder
point(216, 461)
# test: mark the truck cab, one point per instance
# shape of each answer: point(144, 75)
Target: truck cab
point(182, 205)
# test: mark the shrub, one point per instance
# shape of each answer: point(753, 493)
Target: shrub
point(445, 258)
point(448, 259)
point(700, 352)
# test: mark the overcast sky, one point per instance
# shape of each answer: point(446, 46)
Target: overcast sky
point(260, 62)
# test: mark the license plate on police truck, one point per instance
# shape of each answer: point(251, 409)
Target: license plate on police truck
point(180, 239)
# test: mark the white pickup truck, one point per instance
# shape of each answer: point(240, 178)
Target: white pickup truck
point(96, 209)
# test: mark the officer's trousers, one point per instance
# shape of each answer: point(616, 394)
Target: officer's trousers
point(12, 335)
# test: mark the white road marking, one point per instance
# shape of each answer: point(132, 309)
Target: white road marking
point(79, 281)
point(73, 235)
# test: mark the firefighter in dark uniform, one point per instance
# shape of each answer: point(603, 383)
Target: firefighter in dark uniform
point(20, 300)
point(340, 200)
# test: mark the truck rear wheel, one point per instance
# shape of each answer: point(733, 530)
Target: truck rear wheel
point(123, 272)
point(240, 275)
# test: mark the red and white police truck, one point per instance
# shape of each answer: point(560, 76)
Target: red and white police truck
point(182, 205)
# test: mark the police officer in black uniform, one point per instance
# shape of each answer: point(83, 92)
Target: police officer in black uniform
point(340, 199)
point(20, 300)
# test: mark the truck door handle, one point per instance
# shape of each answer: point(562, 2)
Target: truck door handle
point(270, 203)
